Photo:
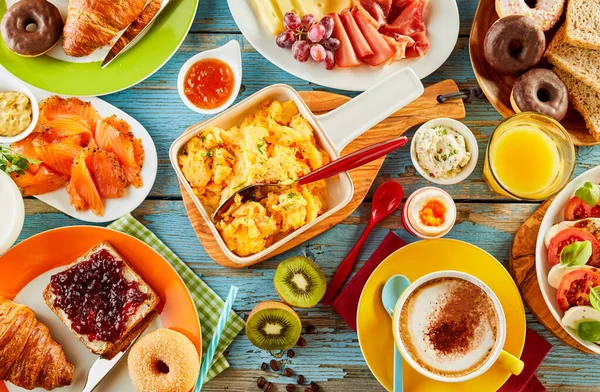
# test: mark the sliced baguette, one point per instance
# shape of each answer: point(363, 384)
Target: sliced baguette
point(583, 64)
point(582, 27)
point(104, 348)
point(585, 99)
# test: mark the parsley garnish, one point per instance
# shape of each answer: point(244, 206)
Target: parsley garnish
point(210, 153)
point(291, 195)
point(241, 184)
point(13, 162)
point(203, 138)
point(453, 152)
point(441, 132)
point(260, 145)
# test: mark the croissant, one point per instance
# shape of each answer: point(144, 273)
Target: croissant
point(29, 357)
point(92, 24)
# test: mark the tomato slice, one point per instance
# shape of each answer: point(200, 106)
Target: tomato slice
point(574, 288)
point(567, 237)
point(578, 209)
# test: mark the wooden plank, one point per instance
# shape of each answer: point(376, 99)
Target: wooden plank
point(156, 104)
point(333, 351)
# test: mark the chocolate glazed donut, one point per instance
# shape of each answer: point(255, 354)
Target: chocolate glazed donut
point(514, 44)
point(31, 27)
point(540, 90)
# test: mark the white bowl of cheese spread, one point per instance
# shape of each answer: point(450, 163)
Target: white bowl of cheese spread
point(444, 151)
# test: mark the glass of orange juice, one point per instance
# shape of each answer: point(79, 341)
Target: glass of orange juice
point(530, 156)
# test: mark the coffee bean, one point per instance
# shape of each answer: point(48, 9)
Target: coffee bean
point(314, 387)
point(300, 379)
point(288, 372)
point(307, 390)
point(260, 382)
point(274, 365)
point(264, 367)
point(301, 342)
point(291, 354)
point(269, 387)
point(310, 329)
point(290, 388)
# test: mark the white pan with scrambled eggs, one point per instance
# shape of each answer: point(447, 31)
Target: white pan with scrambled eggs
point(272, 136)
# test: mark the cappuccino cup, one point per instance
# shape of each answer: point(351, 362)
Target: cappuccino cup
point(450, 327)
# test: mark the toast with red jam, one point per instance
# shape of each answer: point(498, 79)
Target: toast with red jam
point(102, 300)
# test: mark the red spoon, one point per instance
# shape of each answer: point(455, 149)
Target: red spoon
point(387, 199)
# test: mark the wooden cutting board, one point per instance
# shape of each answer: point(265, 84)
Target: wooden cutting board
point(421, 110)
point(521, 265)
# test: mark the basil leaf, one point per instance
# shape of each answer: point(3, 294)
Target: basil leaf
point(589, 193)
point(589, 330)
point(577, 253)
point(595, 297)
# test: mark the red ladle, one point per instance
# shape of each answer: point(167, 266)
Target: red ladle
point(387, 199)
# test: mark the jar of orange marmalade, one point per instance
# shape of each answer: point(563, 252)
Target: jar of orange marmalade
point(429, 213)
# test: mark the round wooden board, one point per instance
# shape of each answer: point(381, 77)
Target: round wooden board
point(521, 265)
point(421, 110)
point(497, 87)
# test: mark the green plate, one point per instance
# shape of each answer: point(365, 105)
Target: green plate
point(85, 79)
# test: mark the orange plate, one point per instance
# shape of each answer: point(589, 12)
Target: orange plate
point(59, 247)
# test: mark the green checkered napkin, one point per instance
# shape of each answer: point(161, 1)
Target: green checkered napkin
point(208, 303)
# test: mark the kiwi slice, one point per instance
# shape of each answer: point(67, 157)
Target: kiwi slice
point(273, 326)
point(300, 282)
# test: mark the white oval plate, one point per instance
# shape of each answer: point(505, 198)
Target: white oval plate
point(133, 197)
point(555, 215)
point(441, 17)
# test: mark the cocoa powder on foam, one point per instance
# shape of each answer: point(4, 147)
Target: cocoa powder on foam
point(455, 328)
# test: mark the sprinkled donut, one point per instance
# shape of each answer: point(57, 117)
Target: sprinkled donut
point(540, 90)
point(514, 44)
point(31, 27)
point(163, 361)
point(545, 13)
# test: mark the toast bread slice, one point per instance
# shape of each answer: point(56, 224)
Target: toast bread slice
point(583, 64)
point(582, 26)
point(105, 348)
point(585, 99)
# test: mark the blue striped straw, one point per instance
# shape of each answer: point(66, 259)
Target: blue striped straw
point(212, 347)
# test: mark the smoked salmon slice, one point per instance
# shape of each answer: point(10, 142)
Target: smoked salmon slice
point(359, 43)
point(107, 173)
point(82, 189)
point(58, 155)
point(56, 108)
point(382, 50)
point(44, 180)
point(344, 56)
point(112, 136)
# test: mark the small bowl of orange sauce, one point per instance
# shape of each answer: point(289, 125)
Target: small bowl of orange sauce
point(429, 213)
point(210, 81)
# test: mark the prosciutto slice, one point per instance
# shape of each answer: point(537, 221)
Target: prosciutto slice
point(378, 9)
point(359, 43)
point(410, 23)
point(382, 51)
point(345, 55)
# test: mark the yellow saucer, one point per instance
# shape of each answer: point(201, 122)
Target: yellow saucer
point(413, 261)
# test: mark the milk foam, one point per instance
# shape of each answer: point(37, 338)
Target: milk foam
point(418, 314)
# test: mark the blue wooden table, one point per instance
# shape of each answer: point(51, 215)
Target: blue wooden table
point(332, 356)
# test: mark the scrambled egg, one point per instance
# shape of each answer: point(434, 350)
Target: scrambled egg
point(274, 145)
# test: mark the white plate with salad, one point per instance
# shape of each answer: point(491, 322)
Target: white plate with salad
point(421, 33)
point(568, 258)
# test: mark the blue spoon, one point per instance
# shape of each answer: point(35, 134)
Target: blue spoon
point(392, 290)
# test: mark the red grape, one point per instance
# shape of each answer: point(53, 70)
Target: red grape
point(327, 22)
point(316, 33)
point(291, 21)
point(286, 39)
point(318, 53)
point(301, 51)
point(331, 44)
point(329, 61)
point(308, 21)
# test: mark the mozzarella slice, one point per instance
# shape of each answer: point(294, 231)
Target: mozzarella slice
point(577, 314)
point(558, 271)
point(555, 229)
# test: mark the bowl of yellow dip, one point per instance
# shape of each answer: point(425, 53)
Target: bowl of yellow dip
point(18, 109)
